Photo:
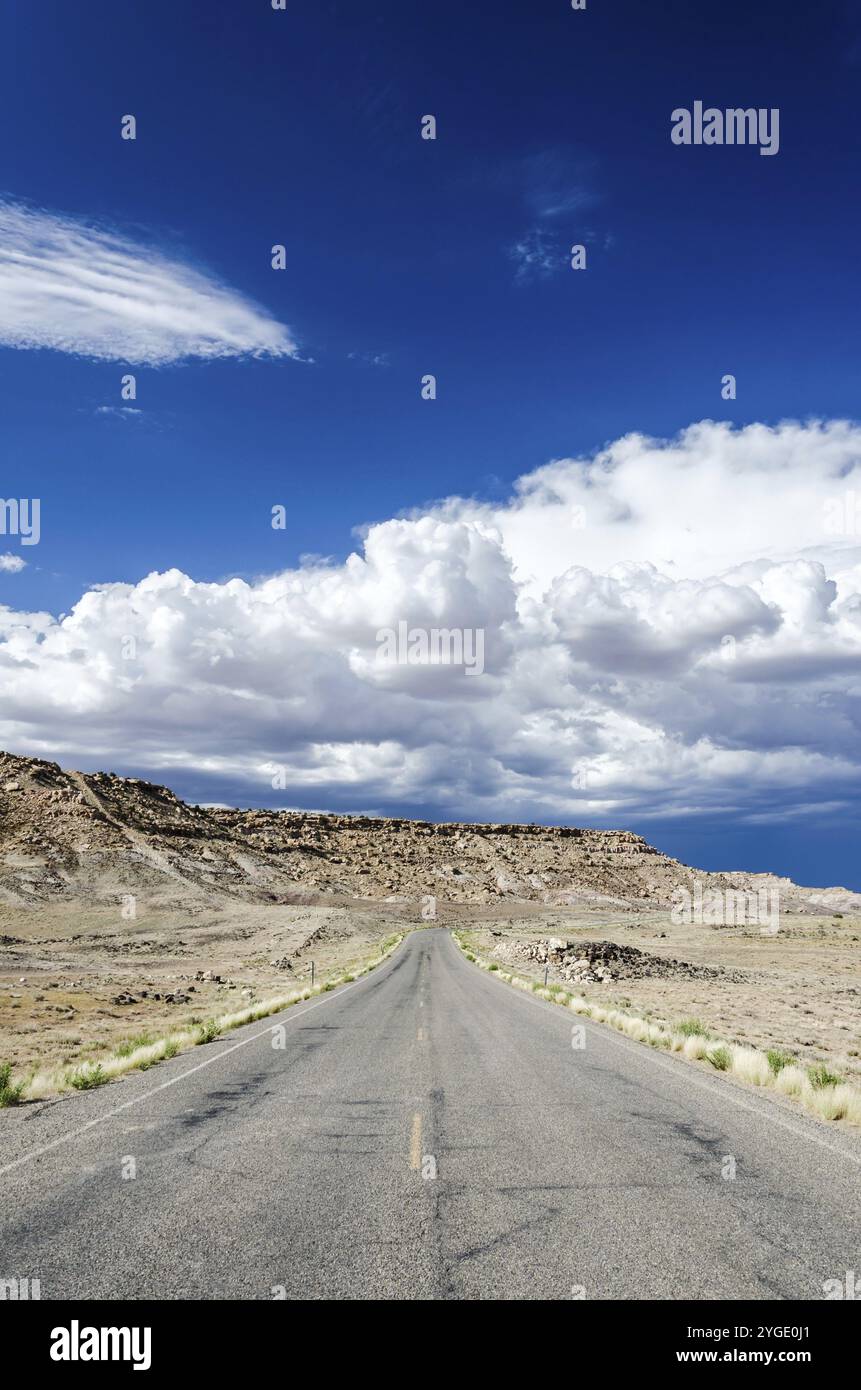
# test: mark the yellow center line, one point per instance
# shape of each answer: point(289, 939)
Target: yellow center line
point(416, 1143)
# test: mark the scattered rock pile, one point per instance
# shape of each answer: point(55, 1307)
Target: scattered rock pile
point(177, 996)
point(597, 962)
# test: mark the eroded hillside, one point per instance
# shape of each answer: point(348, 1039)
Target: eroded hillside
point(65, 834)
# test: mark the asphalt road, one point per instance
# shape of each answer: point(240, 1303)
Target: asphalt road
point(307, 1171)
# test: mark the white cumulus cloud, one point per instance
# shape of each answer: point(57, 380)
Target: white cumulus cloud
point(670, 628)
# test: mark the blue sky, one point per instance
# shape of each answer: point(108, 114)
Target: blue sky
point(406, 257)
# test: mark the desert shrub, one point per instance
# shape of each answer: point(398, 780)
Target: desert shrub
point(692, 1028)
point(88, 1077)
point(131, 1045)
point(9, 1094)
point(819, 1077)
point(777, 1060)
point(207, 1032)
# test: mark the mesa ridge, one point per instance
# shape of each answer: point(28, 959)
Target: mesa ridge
point(68, 834)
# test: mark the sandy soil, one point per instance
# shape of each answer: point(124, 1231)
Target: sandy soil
point(62, 968)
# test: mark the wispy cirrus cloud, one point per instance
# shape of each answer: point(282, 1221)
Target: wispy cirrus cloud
point(557, 183)
point(536, 255)
point(370, 359)
point(556, 186)
point(74, 287)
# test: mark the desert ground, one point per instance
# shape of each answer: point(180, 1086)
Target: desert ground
point(76, 984)
point(799, 990)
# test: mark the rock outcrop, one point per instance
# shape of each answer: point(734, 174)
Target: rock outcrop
point(98, 836)
point(599, 962)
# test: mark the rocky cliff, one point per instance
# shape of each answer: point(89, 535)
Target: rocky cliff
point(94, 836)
